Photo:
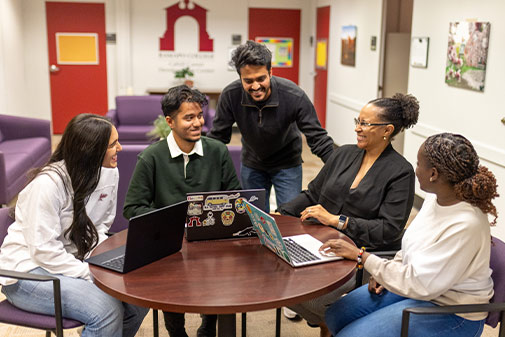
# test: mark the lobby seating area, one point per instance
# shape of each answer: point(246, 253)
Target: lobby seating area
point(25, 143)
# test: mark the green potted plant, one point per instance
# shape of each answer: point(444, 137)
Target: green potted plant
point(160, 129)
point(186, 74)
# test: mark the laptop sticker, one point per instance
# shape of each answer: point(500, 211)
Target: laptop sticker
point(210, 221)
point(194, 221)
point(227, 217)
point(239, 206)
point(219, 202)
point(195, 208)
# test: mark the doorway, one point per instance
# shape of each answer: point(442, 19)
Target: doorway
point(77, 60)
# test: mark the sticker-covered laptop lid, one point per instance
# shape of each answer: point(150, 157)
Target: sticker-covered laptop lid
point(221, 214)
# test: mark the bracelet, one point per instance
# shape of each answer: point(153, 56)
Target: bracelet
point(360, 257)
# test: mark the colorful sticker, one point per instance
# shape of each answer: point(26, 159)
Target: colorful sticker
point(253, 198)
point(240, 206)
point(248, 231)
point(210, 221)
point(195, 198)
point(194, 221)
point(195, 208)
point(227, 217)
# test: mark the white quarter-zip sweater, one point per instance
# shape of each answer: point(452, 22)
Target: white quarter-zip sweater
point(444, 257)
point(44, 212)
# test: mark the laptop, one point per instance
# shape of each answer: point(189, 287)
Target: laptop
point(151, 236)
point(221, 214)
point(297, 250)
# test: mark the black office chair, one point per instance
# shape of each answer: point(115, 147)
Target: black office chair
point(496, 308)
point(10, 314)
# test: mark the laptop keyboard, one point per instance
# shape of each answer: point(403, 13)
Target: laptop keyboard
point(297, 253)
point(115, 263)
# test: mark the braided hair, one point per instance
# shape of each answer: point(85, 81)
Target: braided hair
point(455, 158)
point(400, 110)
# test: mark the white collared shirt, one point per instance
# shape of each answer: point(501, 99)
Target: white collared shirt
point(176, 151)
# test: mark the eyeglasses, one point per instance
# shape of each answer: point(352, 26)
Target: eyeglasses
point(366, 125)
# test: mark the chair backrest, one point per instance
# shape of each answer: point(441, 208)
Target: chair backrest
point(497, 264)
point(235, 153)
point(5, 222)
point(127, 160)
point(138, 110)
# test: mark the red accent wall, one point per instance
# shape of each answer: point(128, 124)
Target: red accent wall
point(272, 22)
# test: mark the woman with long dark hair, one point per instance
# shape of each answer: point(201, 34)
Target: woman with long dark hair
point(444, 258)
point(61, 215)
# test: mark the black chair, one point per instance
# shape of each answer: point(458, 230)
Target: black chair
point(9, 314)
point(496, 307)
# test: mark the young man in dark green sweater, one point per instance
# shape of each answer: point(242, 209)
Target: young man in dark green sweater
point(170, 168)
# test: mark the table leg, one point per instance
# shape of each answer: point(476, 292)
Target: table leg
point(226, 325)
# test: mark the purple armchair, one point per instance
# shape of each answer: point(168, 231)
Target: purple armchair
point(134, 117)
point(9, 314)
point(127, 159)
point(25, 143)
point(208, 116)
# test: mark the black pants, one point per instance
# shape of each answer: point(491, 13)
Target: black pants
point(175, 322)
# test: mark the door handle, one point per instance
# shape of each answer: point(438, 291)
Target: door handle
point(53, 68)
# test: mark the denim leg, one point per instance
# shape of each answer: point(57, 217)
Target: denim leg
point(133, 318)
point(287, 184)
point(381, 316)
point(252, 178)
point(355, 305)
point(81, 300)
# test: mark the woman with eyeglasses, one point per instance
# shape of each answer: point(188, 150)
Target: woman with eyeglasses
point(444, 258)
point(365, 190)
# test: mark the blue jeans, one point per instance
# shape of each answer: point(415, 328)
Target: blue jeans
point(287, 182)
point(102, 315)
point(361, 313)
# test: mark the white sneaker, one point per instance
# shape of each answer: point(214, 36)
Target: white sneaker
point(290, 314)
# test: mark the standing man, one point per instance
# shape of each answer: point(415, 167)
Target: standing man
point(270, 112)
point(170, 168)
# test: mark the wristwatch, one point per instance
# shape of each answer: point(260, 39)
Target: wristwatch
point(342, 219)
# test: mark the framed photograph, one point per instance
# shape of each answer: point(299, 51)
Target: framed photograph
point(467, 55)
point(419, 52)
point(281, 48)
point(348, 39)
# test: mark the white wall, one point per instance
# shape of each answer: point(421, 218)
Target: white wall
point(12, 72)
point(476, 115)
point(350, 88)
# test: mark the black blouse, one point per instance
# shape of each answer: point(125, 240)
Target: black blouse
point(378, 208)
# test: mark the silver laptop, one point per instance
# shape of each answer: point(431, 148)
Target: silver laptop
point(297, 250)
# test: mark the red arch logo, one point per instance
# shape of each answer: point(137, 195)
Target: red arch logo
point(186, 8)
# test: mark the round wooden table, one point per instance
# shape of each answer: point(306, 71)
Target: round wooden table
point(225, 276)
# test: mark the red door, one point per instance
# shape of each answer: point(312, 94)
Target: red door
point(77, 60)
point(278, 23)
point(322, 48)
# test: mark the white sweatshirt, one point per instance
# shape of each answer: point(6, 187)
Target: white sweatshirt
point(444, 257)
point(44, 212)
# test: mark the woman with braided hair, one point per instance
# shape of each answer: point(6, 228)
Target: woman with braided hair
point(364, 190)
point(444, 258)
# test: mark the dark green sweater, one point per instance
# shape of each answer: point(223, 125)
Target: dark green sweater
point(158, 179)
